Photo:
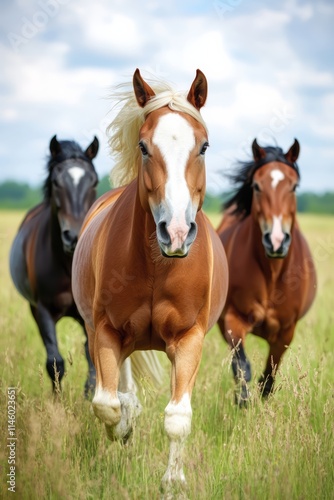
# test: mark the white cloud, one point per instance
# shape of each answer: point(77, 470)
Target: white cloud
point(57, 80)
point(117, 33)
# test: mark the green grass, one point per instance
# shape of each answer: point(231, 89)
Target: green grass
point(282, 449)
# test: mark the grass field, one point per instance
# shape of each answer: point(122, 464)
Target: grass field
point(282, 449)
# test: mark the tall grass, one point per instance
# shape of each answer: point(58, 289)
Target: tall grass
point(281, 449)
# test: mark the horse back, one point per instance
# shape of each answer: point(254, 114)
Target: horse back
point(229, 219)
point(104, 201)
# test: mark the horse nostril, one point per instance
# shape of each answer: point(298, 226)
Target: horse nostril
point(267, 240)
point(287, 239)
point(192, 232)
point(162, 232)
point(70, 238)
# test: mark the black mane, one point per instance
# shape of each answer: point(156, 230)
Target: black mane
point(69, 150)
point(242, 179)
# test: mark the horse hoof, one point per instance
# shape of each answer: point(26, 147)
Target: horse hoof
point(173, 488)
point(130, 408)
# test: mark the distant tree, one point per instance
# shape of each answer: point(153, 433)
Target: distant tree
point(19, 195)
point(316, 203)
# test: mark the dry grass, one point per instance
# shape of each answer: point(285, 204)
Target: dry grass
point(280, 449)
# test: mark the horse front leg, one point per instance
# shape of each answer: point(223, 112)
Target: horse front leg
point(90, 383)
point(185, 356)
point(276, 351)
point(54, 364)
point(91, 377)
point(117, 410)
point(234, 331)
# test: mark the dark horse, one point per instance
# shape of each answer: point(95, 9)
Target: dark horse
point(272, 276)
point(42, 252)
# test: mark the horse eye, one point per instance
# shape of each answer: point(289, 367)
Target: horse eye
point(294, 188)
point(143, 149)
point(204, 148)
point(56, 183)
point(256, 187)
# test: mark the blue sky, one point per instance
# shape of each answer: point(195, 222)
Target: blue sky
point(269, 65)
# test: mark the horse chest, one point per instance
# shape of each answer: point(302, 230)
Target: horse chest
point(269, 318)
point(156, 311)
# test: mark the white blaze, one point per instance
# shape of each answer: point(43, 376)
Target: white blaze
point(76, 173)
point(277, 176)
point(277, 235)
point(175, 139)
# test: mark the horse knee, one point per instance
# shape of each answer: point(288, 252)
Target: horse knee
point(106, 407)
point(178, 418)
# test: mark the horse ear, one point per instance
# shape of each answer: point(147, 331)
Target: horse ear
point(55, 147)
point(143, 91)
point(198, 91)
point(293, 153)
point(92, 149)
point(258, 152)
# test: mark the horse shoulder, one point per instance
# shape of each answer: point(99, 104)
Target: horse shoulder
point(33, 213)
point(100, 271)
point(24, 256)
point(301, 278)
point(219, 273)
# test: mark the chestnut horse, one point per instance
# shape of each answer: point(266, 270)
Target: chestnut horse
point(149, 271)
point(272, 276)
point(42, 252)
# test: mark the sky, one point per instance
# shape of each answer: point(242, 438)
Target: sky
point(269, 66)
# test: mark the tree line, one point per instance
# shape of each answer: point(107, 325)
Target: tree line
point(17, 195)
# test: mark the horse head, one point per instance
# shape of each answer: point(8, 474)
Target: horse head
point(71, 186)
point(171, 177)
point(274, 204)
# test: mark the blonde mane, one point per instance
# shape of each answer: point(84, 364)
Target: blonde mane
point(124, 129)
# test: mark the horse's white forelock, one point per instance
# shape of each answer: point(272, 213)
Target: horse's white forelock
point(124, 129)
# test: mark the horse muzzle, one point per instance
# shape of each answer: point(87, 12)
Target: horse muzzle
point(279, 252)
point(69, 239)
point(175, 241)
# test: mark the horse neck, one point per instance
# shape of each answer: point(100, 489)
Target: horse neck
point(142, 220)
point(142, 224)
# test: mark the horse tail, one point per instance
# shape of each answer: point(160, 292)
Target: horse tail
point(147, 369)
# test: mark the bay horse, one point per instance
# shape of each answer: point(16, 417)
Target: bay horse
point(272, 275)
point(42, 251)
point(149, 271)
